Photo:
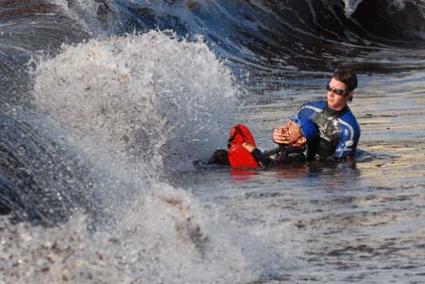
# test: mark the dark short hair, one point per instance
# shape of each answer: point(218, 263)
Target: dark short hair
point(348, 77)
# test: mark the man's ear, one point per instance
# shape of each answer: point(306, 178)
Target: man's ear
point(302, 140)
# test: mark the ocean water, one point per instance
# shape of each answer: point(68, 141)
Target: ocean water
point(110, 110)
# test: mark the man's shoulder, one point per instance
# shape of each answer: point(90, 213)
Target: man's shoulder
point(316, 106)
point(349, 119)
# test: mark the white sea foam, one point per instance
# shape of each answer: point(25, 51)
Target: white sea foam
point(351, 6)
point(82, 11)
point(396, 5)
point(150, 99)
point(134, 106)
point(162, 238)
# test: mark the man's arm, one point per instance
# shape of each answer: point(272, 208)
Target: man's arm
point(261, 158)
point(348, 140)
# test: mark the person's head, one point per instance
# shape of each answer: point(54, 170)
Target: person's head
point(299, 131)
point(340, 89)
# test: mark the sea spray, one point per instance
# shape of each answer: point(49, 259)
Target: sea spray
point(134, 107)
point(162, 238)
point(85, 12)
point(151, 98)
point(351, 6)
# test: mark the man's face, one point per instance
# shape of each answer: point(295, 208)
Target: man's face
point(292, 133)
point(335, 101)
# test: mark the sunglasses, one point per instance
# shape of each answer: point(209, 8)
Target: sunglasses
point(338, 92)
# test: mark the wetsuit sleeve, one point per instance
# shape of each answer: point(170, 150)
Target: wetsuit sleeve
point(261, 158)
point(347, 145)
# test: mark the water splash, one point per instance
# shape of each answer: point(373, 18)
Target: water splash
point(146, 99)
point(137, 106)
point(83, 12)
point(131, 105)
point(351, 6)
point(163, 237)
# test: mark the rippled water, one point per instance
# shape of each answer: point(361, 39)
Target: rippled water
point(336, 223)
point(98, 137)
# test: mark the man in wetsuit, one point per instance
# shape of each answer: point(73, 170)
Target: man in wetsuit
point(339, 130)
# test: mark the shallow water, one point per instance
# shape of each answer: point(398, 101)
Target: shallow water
point(335, 223)
point(97, 148)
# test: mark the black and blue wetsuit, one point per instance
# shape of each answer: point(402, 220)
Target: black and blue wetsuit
point(339, 131)
point(279, 156)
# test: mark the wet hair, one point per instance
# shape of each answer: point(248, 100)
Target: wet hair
point(348, 77)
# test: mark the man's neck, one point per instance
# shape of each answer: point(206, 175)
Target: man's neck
point(333, 111)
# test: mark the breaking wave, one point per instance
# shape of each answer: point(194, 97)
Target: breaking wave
point(104, 100)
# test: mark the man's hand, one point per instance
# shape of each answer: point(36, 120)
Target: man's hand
point(248, 146)
point(280, 136)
